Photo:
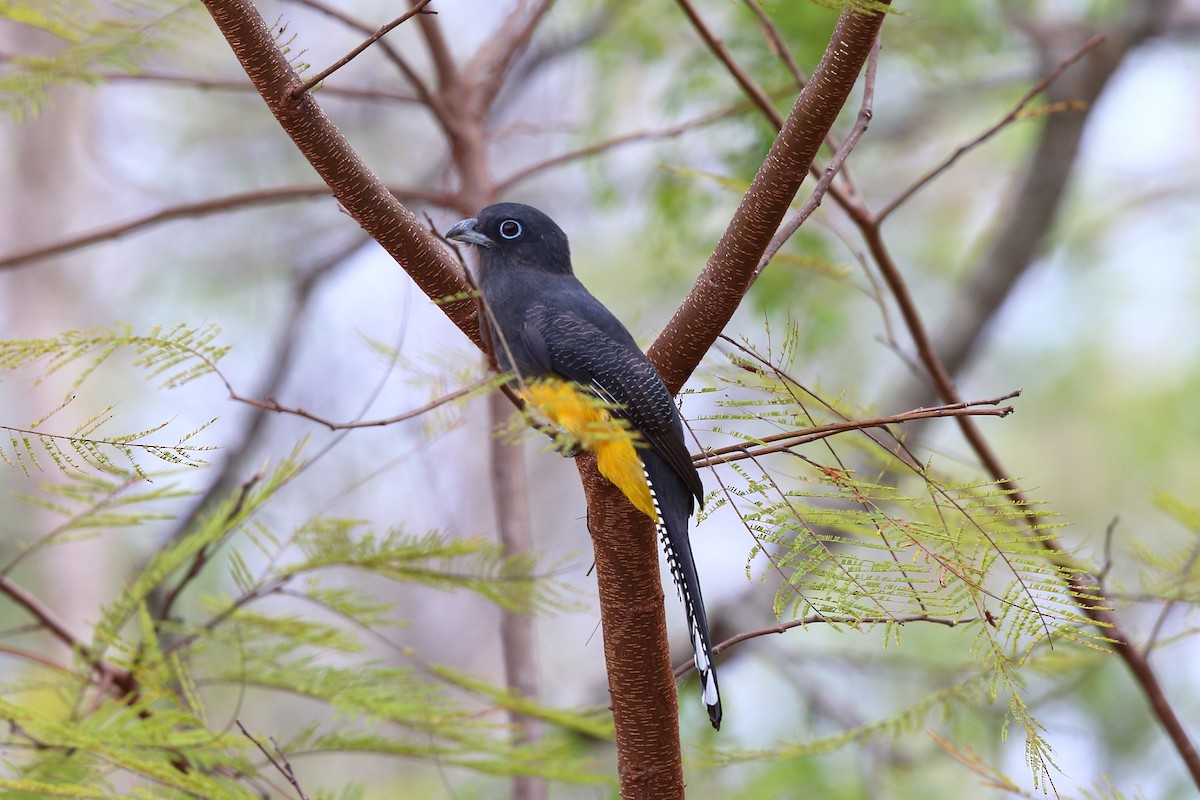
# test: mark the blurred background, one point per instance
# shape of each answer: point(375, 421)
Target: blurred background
point(1089, 309)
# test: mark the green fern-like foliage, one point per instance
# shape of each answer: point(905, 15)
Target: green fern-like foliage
point(94, 40)
point(861, 534)
point(173, 356)
point(285, 624)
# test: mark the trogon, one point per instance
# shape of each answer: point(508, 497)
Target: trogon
point(577, 364)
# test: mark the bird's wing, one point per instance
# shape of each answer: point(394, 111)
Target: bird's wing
point(570, 345)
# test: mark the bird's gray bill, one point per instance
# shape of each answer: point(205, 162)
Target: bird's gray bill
point(467, 233)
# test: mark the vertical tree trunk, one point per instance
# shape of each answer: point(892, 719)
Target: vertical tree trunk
point(518, 640)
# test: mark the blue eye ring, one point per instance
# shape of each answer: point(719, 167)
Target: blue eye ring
point(510, 229)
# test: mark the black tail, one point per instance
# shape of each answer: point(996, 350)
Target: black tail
point(673, 500)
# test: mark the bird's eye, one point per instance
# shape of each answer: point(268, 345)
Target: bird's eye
point(510, 229)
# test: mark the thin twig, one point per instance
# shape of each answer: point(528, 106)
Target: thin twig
point(780, 442)
point(814, 619)
point(424, 96)
point(109, 674)
point(775, 40)
point(789, 228)
point(196, 210)
point(599, 148)
point(271, 404)
point(205, 554)
point(197, 82)
point(418, 8)
point(1009, 118)
point(283, 765)
point(749, 87)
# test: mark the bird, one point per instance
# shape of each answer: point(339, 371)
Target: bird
point(576, 362)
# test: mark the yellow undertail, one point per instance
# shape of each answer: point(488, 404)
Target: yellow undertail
point(589, 424)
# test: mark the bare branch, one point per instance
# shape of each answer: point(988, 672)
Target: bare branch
point(110, 675)
point(205, 554)
point(418, 8)
point(490, 66)
point(1012, 116)
point(282, 764)
point(752, 89)
point(726, 277)
point(198, 82)
point(775, 40)
point(786, 440)
point(196, 210)
point(788, 229)
point(424, 96)
point(815, 619)
point(599, 148)
point(271, 404)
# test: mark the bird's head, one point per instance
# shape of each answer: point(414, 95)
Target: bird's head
point(517, 235)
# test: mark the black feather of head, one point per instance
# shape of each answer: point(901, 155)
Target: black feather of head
point(517, 235)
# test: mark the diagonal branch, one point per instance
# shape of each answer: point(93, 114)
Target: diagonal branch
point(718, 48)
point(389, 52)
point(779, 442)
point(1009, 118)
point(725, 279)
point(196, 210)
point(418, 8)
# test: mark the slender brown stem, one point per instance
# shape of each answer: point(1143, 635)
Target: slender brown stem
point(599, 148)
point(726, 277)
point(196, 210)
point(780, 442)
point(817, 619)
point(1008, 119)
point(418, 8)
point(749, 87)
point(279, 761)
point(109, 675)
point(424, 97)
point(271, 404)
point(789, 228)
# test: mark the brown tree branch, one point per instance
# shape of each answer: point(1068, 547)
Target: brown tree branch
point(815, 619)
point(490, 66)
point(271, 404)
point(723, 283)
point(1044, 184)
point(1012, 116)
point(636, 651)
point(751, 89)
point(281, 763)
point(109, 675)
point(418, 8)
point(779, 442)
point(196, 210)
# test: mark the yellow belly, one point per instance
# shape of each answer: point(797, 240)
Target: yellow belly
point(589, 424)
